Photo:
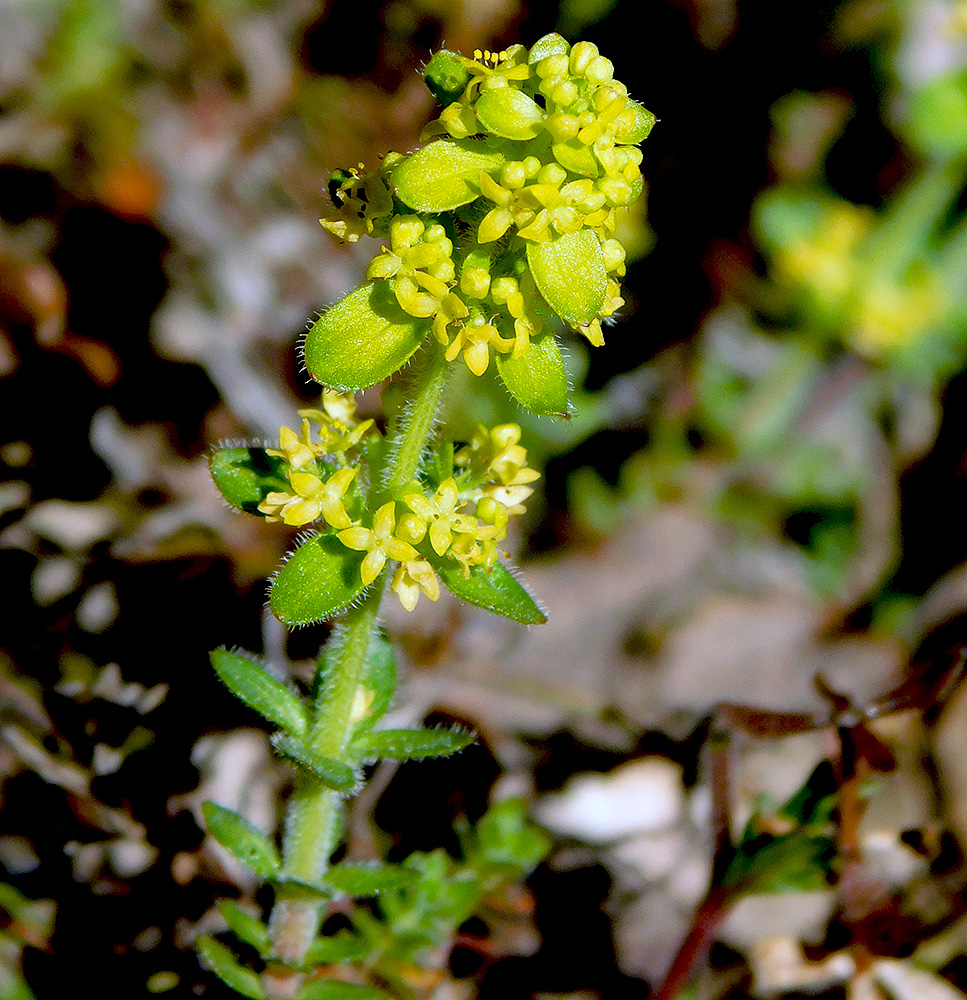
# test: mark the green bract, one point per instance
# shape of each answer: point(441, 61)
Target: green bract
point(510, 113)
point(246, 476)
point(495, 590)
point(444, 175)
point(570, 273)
point(318, 580)
point(537, 379)
point(362, 339)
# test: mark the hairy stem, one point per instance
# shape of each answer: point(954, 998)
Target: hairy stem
point(419, 412)
point(313, 821)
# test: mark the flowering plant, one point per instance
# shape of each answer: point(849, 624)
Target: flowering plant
point(499, 229)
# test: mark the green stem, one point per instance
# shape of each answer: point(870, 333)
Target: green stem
point(419, 412)
point(313, 817)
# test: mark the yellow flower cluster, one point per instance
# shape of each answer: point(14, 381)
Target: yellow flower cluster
point(308, 497)
point(879, 309)
point(572, 130)
point(494, 479)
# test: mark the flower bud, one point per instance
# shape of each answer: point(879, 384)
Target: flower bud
point(599, 71)
point(581, 55)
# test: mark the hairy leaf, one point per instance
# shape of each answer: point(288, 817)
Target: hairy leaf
point(509, 113)
point(537, 379)
point(496, 591)
point(410, 744)
point(237, 835)
point(319, 580)
point(334, 773)
point(341, 947)
point(246, 476)
point(257, 688)
point(367, 880)
point(444, 174)
point(226, 966)
point(245, 927)
point(569, 272)
point(363, 339)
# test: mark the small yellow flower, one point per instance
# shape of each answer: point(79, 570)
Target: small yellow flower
point(496, 455)
point(468, 553)
point(475, 340)
point(310, 498)
point(379, 543)
point(295, 449)
point(412, 577)
point(338, 431)
point(442, 514)
point(420, 264)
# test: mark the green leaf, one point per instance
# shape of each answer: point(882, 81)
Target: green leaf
point(444, 174)
point(507, 839)
point(548, 45)
point(410, 744)
point(342, 947)
point(226, 966)
point(257, 688)
point(334, 773)
point(363, 339)
point(643, 124)
point(318, 580)
point(242, 839)
point(367, 880)
point(569, 272)
point(446, 77)
point(537, 379)
point(333, 989)
point(796, 861)
point(938, 116)
point(573, 155)
point(246, 476)
point(509, 113)
point(245, 927)
point(496, 591)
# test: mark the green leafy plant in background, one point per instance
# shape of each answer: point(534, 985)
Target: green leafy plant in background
point(499, 230)
point(858, 322)
point(27, 923)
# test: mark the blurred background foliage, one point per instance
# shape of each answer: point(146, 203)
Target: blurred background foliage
point(764, 480)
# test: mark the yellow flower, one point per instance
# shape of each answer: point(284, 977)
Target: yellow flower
point(497, 455)
point(827, 262)
point(338, 431)
point(467, 551)
point(420, 264)
point(379, 543)
point(295, 450)
point(442, 514)
point(515, 297)
point(309, 498)
point(412, 577)
point(475, 340)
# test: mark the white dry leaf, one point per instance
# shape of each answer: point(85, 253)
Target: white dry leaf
point(904, 981)
point(641, 796)
point(779, 967)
